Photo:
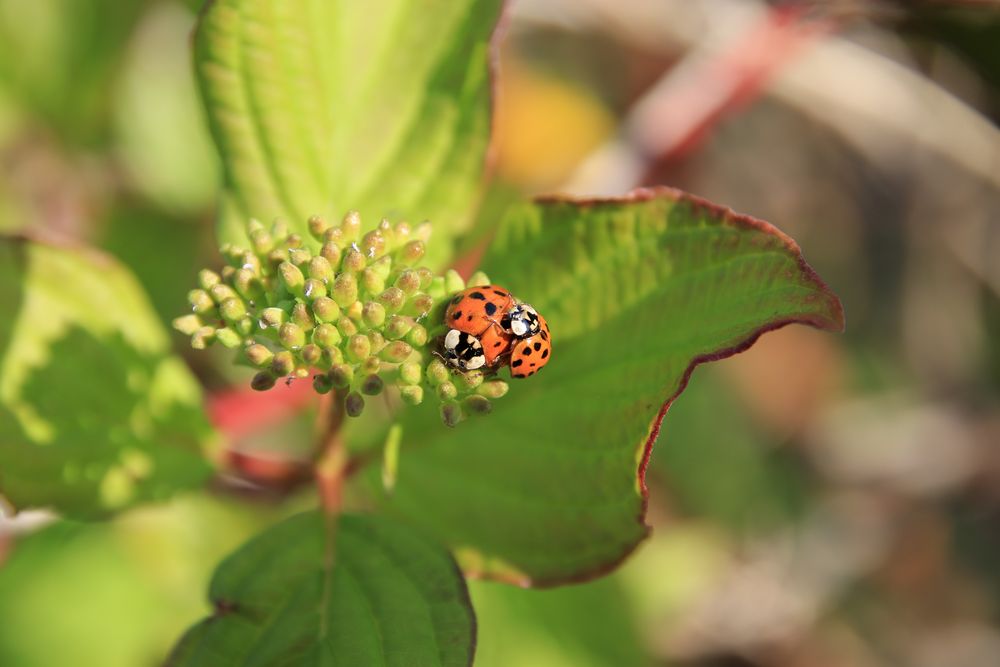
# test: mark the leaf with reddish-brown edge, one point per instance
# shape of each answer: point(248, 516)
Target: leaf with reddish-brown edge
point(637, 292)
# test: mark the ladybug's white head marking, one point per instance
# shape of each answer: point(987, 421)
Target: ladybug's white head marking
point(523, 320)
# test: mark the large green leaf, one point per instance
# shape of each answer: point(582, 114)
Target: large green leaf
point(95, 413)
point(637, 292)
point(59, 58)
point(319, 106)
point(361, 591)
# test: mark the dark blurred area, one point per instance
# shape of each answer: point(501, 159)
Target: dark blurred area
point(818, 501)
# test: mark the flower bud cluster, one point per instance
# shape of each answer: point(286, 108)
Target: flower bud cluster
point(350, 309)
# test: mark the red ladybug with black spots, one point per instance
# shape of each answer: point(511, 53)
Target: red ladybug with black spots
point(507, 330)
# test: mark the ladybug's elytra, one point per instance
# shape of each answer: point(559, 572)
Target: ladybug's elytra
point(489, 327)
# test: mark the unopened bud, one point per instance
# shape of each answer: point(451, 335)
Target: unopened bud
point(471, 379)
point(262, 381)
point(187, 324)
point(419, 304)
point(293, 241)
point(398, 326)
point(201, 302)
point(412, 394)
point(373, 244)
point(259, 355)
point(358, 347)
point(371, 281)
point(222, 293)
point(451, 413)
point(292, 278)
point(393, 299)
point(373, 314)
point(412, 252)
point(341, 375)
point(372, 385)
point(396, 351)
point(331, 253)
point(208, 279)
point(493, 389)
point(437, 372)
point(229, 338)
point(346, 326)
point(417, 336)
point(311, 354)
point(302, 317)
point(326, 336)
point(322, 384)
point(273, 317)
point(321, 269)
point(354, 404)
point(318, 226)
point(283, 363)
point(447, 391)
point(292, 336)
point(409, 373)
point(262, 242)
point(408, 281)
point(351, 225)
point(232, 309)
point(453, 282)
point(479, 405)
point(354, 261)
point(314, 289)
point(202, 338)
point(371, 365)
point(345, 290)
point(477, 279)
point(325, 309)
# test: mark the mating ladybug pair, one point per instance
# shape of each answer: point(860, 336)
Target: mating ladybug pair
point(488, 327)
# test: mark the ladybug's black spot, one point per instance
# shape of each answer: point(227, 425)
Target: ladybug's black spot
point(457, 315)
point(545, 334)
point(469, 318)
point(545, 354)
point(496, 344)
point(490, 308)
point(500, 292)
point(478, 295)
point(537, 346)
point(527, 352)
point(517, 363)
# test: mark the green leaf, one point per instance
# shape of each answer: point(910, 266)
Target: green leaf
point(95, 414)
point(321, 106)
point(59, 58)
point(383, 595)
point(637, 292)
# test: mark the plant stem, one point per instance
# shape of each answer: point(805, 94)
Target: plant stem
point(331, 458)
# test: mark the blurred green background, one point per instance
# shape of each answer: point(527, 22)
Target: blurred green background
point(817, 501)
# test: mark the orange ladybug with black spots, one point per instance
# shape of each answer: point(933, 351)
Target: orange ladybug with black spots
point(529, 355)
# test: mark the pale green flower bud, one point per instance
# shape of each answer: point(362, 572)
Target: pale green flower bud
point(292, 336)
point(345, 290)
point(412, 394)
point(373, 314)
point(326, 309)
point(358, 347)
point(259, 356)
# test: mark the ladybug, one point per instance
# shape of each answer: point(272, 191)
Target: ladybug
point(476, 309)
point(528, 355)
point(482, 312)
point(521, 320)
point(463, 350)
